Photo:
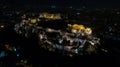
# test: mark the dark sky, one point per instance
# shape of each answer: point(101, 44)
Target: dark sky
point(62, 3)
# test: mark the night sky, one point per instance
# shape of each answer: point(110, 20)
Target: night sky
point(63, 3)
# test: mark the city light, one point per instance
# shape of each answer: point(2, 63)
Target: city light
point(76, 36)
point(35, 33)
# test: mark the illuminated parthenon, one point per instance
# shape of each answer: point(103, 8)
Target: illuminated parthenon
point(50, 16)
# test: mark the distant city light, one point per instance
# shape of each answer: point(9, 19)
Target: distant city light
point(71, 7)
point(53, 6)
point(2, 26)
point(118, 13)
point(14, 49)
point(18, 55)
point(78, 13)
point(2, 54)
